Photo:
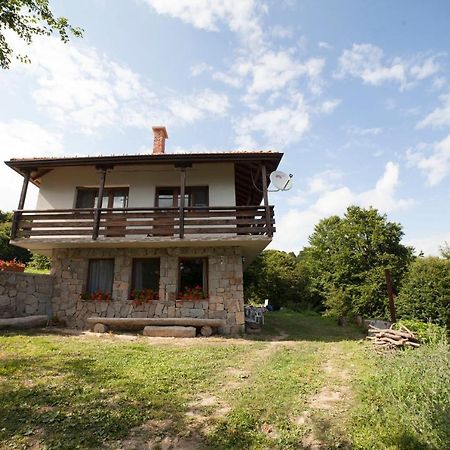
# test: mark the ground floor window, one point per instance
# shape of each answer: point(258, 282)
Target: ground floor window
point(100, 277)
point(145, 279)
point(193, 278)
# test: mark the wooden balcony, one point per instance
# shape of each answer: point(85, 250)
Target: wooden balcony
point(178, 223)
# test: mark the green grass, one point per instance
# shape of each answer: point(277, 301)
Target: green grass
point(404, 402)
point(66, 392)
point(37, 271)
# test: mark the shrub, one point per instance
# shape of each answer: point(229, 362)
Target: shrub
point(427, 333)
point(425, 292)
point(40, 262)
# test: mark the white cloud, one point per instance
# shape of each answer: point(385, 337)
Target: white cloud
point(279, 126)
point(198, 69)
point(357, 131)
point(429, 244)
point(85, 90)
point(325, 198)
point(240, 16)
point(440, 117)
point(425, 69)
point(272, 71)
point(328, 106)
point(367, 61)
point(280, 32)
point(199, 105)
point(433, 160)
point(324, 45)
point(23, 139)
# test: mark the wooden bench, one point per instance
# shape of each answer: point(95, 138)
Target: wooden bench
point(102, 324)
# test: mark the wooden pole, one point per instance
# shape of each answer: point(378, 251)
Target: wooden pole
point(387, 274)
point(182, 200)
point(18, 213)
point(23, 194)
point(101, 190)
point(266, 200)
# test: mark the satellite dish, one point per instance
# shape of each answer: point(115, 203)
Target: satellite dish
point(281, 181)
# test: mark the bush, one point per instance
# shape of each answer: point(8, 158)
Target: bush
point(425, 292)
point(427, 333)
point(40, 262)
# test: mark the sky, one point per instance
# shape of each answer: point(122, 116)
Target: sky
point(356, 93)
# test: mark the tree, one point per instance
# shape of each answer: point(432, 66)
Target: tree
point(445, 250)
point(347, 257)
point(8, 251)
point(29, 18)
point(425, 292)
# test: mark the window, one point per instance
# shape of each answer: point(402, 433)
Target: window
point(193, 279)
point(100, 276)
point(112, 198)
point(145, 279)
point(170, 197)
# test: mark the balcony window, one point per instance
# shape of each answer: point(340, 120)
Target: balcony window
point(169, 197)
point(193, 279)
point(145, 279)
point(100, 276)
point(112, 198)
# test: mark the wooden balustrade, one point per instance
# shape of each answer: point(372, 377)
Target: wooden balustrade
point(146, 222)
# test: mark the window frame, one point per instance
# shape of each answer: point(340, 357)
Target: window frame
point(88, 282)
point(133, 272)
point(108, 191)
point(205, 260)
point(189, 190)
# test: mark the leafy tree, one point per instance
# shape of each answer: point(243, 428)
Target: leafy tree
point(282, 278)
point(27, 18)
point(347, 257)
point(445, 250)
point(425, 292)
point(8, 251)
point(40, 262)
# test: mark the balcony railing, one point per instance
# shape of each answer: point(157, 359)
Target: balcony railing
point(143, 222)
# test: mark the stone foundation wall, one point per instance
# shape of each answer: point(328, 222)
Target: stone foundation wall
point(25, 294)
point(225, 286)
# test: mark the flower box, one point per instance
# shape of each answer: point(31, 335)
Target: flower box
point(11, 266)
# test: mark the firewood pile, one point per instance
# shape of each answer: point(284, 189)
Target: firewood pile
point(388, 339)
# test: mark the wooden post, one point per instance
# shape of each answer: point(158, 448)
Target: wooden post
point(98, 211)
point(266, 200)
point(182, 202)
point(23, 194)
point(387, 274)
point(18, 213)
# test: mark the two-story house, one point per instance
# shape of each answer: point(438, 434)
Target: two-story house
point(154, 235)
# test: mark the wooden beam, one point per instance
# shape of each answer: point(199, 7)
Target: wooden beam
point(101, 190)
point(23, 194)
point(182, 202)
point(266, 199)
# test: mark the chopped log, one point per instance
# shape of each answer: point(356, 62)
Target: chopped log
point(206, 331)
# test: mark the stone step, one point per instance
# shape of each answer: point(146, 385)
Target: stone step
point(169, 331)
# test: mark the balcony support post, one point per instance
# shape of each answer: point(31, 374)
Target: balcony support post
point(182, 200)
point(266, 200)
point(23, 196)
point(98, 210)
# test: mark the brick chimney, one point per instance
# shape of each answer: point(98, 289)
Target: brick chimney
point(159, 140)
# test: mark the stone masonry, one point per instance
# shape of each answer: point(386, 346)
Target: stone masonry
point(25, 294)
point(225, 286)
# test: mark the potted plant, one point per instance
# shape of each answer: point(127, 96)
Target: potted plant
point(140, 296)
point(98, 295)
point(195, 293)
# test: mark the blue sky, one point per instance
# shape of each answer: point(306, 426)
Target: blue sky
point(356, 93)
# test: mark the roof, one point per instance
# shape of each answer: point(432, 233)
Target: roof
point(246, 164)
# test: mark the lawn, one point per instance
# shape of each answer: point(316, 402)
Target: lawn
point(302, 383)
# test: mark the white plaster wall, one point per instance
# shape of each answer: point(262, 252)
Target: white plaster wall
point(58, 187)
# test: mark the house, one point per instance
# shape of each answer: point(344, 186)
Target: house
point(155, 235)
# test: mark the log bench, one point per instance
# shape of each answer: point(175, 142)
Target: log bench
point(24, 322)
point(154, 325)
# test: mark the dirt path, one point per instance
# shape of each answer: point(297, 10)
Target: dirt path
point(327, 407)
